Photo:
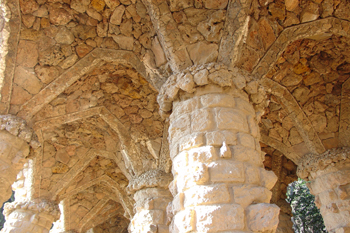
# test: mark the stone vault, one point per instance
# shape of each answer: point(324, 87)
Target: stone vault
point(172, 115)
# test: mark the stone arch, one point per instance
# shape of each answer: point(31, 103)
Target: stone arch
point(10, 27)
point(86, 64)
point(319, 29)
point(301, 121)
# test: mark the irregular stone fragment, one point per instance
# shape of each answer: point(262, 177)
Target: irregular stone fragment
point(112, 4)
point(202, 53)
point(221, 77)
point(116, 17)
point(98, 5)
point(59, 16)
point(27, 79)
point(310, 12)
point(158, 52)
point(124, 42)
point(83, 49)
point(28, 20)
point(79, 5)
point(69, 61)
point(28, 6)
point(291, 4)
point(262, 217)
point(64, 36)
point(178, 5)
point(201, 77)
point(46, 73)
point(186, 83)
point(27, 53)
point(215, 4)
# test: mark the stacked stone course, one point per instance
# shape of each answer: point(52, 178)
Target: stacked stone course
point(219, 183)
point(329, 179)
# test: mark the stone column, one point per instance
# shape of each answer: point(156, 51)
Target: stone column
point(329, 176)
point(30, 216)
point(15, 138)
point(220, 184)
point(152, 196)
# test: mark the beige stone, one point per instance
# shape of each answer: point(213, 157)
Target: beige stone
point(116, 17)
point(201, 52)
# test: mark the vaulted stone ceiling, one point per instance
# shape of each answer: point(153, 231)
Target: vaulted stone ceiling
point(86, 75)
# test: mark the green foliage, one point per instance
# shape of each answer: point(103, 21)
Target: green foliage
point(306, 216)
point(2, 217)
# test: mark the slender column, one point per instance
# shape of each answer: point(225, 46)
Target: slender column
point(329, 176)
point(152, 196)
point(15, 138)
point(220, 184)
point(30, 216)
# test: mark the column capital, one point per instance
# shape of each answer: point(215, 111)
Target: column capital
point(216, 77)
point(311, 165)
point(150, 179)
point(44, 208)
point(19, 128)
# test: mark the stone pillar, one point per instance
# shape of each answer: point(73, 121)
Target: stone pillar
point(152, 196)
point(15, 138)
point(329, 176)
point(30, 216)
point(220, 184)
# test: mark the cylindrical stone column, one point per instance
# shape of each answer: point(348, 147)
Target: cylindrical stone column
point(152, 196)
point(329, 176)
point(31, 216)
point(15, 138)
point(220, 184)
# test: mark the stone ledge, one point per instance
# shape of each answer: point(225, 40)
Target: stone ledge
point(312, 163)
point(150, 179)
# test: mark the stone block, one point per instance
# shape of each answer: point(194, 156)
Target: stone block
point(202, 53)
point(252, 175)
point(262, 217)
point(217, 100)
point(194, 175)
point(207, 194)
point(201, 77)
point(219, 218)
point(216, 138)
point(179, 128)
point(178, 203)
point(203, 154)
point(247, 194)
point(184, 221)
point(226, 171)
point(267, 178)
point(245, 106)
point(343, 191)
point(183, 107)
point(222, 77)
point(245, 154)
point(191, 141)
point(232, 119)
point(246, 140)
point(180, 163)
point(202, 120)
point(148, 217)
point(327, 197)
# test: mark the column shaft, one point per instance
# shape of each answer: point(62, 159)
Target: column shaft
point(329, 176)
point(220, 183)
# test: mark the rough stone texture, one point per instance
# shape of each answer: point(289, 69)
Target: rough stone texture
point(328, 174)
point(35, 216)
point(204, 173)
point(86, 75)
